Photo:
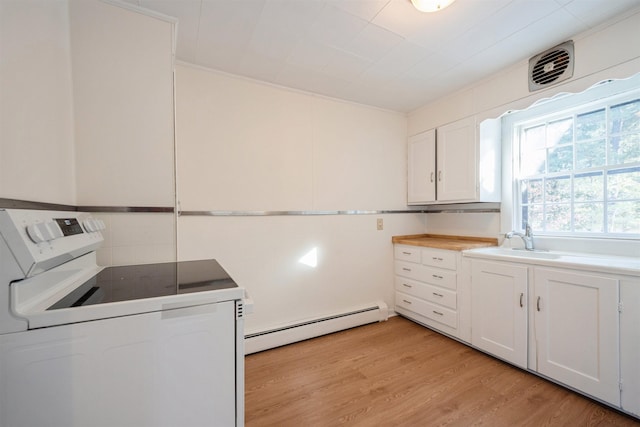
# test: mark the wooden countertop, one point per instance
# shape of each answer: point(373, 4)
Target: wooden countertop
point(451, 243)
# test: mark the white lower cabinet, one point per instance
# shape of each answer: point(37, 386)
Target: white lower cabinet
point(630, 344)
point(560, 323)
point(576, 331)
point(499, 310)
point(426, 286)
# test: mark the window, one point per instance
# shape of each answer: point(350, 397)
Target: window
point(577, 167)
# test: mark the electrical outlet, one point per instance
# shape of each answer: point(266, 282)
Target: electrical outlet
point(380, 224)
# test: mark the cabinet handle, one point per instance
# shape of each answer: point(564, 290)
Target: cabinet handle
point(435, 258)
point(435, 276)
point(406, 269)
point(438, 313)
point(431, 177)
point(437, 294)
point(407, 253)
point(407, 286)
point(538, 304)
point(521, 296)
point(439, 175)
point(408, 302)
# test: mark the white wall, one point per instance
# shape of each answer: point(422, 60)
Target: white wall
point(36, 111)
point(355, 261)
point(244, 145)
point(609, 51)
point(123, 97)
point(137, 238)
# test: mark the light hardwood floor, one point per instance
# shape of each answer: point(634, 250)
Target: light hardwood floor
point(397, 373)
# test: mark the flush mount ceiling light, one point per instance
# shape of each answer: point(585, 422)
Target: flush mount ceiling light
point(431, 5)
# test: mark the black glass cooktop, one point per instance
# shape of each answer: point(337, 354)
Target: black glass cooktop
point(133, 282)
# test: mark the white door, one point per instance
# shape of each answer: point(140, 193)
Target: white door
point(576, 321)
point(456, 159)
point(422, 168)
point(499, 310)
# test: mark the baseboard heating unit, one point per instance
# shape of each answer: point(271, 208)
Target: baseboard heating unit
point(377, 312)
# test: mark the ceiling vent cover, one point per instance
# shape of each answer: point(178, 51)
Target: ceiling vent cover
point(551, 66)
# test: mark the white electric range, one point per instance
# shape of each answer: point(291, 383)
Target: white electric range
point(141, 345)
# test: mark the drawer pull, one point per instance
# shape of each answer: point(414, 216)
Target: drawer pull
point(438, 295)
point(435, 258)
point(407, 286)
point(438, 313)
point(406, 269)
point(408, 302)
point(435, 276)
point(407, 253)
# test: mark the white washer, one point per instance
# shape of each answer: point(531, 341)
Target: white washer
point(82, 345)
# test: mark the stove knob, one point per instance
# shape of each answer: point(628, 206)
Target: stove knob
point(35, 233)
point(90, 225)
point(44, 231)
point(55, 232)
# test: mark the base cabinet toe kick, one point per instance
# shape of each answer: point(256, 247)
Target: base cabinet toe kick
point(575, 327)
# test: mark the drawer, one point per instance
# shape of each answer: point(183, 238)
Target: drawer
point(436, 276)
point(427, 309)
point(410, 270)
point(433, 276)
point(407, 253)
point(430, 293)
point(439, 258)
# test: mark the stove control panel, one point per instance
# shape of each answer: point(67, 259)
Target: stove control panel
point(40, 240)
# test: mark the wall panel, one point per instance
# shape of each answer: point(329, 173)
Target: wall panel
point(263, 254)
point(36, 108)
point(123, 98)
point(248, 146)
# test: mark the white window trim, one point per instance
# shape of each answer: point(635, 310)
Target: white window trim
point(621, 246)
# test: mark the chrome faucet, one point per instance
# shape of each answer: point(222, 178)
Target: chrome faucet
point(527, 237)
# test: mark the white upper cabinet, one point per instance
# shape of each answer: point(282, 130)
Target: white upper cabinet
point(422, 168)
point(456, 163)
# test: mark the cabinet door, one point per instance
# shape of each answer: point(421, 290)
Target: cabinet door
point(576, 327)
point(456, 160)
point(422, 168)
point(630, 344)
point(499, 310)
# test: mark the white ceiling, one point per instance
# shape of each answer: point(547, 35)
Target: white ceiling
point(382, 53)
